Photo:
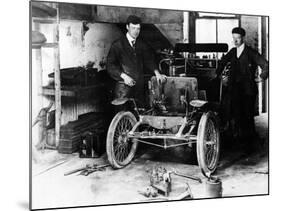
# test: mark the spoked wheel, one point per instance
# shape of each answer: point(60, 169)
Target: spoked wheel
point(208, 143)
point(119, 148)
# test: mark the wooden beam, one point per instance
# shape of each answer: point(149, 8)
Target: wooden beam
point(192, 27)
point(113, 14)
point(264, 51)
point(64, 93)
point(39, 73)
point(44, 20)
point(38, 70)
point(75, 11)
point(57, 79)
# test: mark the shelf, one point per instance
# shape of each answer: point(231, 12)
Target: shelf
point(44, 14)
point(44, 45)
point(36, 46)
point(70, 91)
point(50, 45)
point(51, 91)
point(45, 20)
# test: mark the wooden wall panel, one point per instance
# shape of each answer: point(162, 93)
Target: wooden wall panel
point(120, 14)
point(250, 24)
point(75, 11)
point(172, 31)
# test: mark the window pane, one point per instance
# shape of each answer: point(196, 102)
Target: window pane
point(205, 31)
point(225, 27)
point(207, 14)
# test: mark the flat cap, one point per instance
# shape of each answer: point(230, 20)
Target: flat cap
point(239, 30)
point(133, 19)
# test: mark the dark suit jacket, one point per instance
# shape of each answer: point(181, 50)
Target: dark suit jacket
point(243, 69)
point(123, 58)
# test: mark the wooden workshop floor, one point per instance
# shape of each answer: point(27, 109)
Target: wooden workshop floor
point(240, 174)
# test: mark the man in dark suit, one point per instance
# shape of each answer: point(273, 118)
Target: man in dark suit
point(242, 88)
point(126, 61)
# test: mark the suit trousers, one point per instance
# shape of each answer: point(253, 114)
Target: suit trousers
point(243, 111)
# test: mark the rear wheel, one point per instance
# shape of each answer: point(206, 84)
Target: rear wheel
point(119, 148)
point(208, 143)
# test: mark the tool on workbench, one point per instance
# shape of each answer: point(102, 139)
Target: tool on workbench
point(88, 169)
point(187, 176)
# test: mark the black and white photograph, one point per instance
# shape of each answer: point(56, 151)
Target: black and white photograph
point(136, 105)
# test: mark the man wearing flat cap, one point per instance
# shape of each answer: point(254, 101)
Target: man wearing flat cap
point(242, 87)
point(126, 60)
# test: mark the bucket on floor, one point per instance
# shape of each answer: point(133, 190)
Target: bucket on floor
point(51, 140)
point(213, 188)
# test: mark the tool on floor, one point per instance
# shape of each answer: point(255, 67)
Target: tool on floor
point(88, 169)
point(51, 167)
point(161, 182)
point(187, 194)
point(187, 176)
point(160, 179)
point(149, 192)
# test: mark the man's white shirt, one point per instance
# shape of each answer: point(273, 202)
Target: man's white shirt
point(130, 39)
point(240, 50)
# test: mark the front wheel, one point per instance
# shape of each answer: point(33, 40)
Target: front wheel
point(208, 143)
point(119, 148)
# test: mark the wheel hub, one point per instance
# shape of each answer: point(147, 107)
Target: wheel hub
point(210, 142)
point(122, 138)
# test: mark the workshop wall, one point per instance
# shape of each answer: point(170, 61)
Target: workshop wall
point(86, 33)
point(252, 38)
point(77, 48)
point(120, 15)
point(172, 31)
point(251, 25)
point(170, 23)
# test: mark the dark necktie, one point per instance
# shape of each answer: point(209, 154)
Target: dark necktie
point(133, 44)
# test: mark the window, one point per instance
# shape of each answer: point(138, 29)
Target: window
point(215, 29)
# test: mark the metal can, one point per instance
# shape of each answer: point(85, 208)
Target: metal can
point(213, 188)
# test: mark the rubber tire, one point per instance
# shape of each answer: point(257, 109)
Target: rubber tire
point(207, 170)
point(109, 140)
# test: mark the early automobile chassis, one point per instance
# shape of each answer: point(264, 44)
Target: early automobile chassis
point(176, 117)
